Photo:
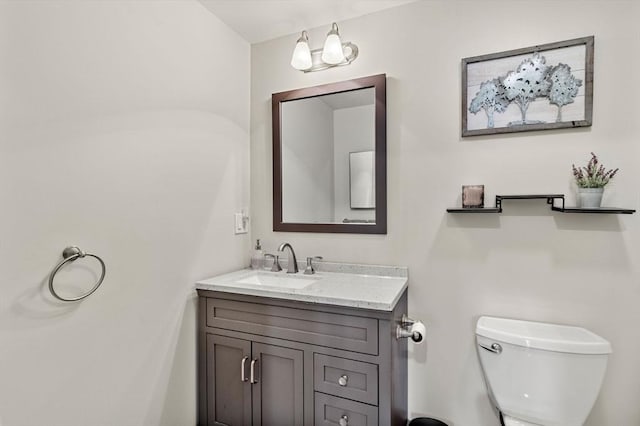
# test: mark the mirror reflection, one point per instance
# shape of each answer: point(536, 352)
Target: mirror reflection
point(362, 180)
point(327, 158)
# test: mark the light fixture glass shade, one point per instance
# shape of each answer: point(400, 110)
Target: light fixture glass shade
point(301, 58)
point(332, 52)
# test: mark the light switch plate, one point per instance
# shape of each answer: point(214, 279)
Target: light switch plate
point(241, 221)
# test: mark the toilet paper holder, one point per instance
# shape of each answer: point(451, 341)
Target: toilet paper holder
point(404, 329)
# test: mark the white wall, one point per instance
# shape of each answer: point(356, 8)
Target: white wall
point(526, 263)
point(124, 130)
point(353, 132)
point(307, 158)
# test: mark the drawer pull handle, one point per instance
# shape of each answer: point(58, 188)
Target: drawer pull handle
point(344, 421)
point(253, 372)
point(342, 381)
point(243, 369)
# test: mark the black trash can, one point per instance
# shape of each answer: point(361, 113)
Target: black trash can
point(426, 421)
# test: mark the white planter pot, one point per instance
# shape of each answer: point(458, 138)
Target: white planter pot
point(590, 197)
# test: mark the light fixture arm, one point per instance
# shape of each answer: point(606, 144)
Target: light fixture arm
point(304, 37)
point(333, 30)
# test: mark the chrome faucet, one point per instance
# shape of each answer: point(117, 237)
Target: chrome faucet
point(292, 263)
point(310, 270)
point(276, 262)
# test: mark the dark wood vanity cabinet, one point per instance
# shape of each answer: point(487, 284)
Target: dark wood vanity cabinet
point(273, 362)
point(253, 383)
point(228, 399)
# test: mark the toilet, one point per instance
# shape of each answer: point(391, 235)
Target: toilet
point(540, 374)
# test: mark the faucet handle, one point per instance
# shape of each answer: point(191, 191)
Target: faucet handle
point(309, 269)
point(276, 264)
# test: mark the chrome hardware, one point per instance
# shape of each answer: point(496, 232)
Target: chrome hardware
point(292, 264)
point(403, 330)
point(71, 254)
point(310, 270)
point(405, 321)
point(342, 381)
point(253, 380)
point(243, 378)
point(276, 262)
point(344, 421)
point(403, 333)
point(495, 348)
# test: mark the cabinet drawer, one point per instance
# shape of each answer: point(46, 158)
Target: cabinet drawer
point(348, 332)
point(346, 378)
point(329, 410)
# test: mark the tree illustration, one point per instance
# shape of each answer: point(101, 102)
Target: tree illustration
point(564, 87)
point(491, 98)
point(526, 83)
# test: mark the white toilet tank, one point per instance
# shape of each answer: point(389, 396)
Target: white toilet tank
point(541, 374)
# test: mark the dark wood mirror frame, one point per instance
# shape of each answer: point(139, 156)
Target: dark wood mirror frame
point(378, 82)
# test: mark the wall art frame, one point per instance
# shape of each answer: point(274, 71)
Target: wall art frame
point(549, 86)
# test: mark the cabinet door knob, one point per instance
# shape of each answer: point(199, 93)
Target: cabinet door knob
point(344, 421)
point(253, 379)
point(243, 369)
point(342, 381)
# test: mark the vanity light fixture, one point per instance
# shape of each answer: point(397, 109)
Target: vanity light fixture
point(332, 52)
point(301, 59)
point(335, 53)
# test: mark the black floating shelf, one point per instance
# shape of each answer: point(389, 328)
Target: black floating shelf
point(600, 210)
point(550, 200)
point(475, 210)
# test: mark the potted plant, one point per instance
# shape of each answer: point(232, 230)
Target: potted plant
point(591, 181)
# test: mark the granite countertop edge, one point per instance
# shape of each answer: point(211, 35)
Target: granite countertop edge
point(388, 283)
point(295, 297)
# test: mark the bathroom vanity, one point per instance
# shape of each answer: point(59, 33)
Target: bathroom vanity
point(291, 349)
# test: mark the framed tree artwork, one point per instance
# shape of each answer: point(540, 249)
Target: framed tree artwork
point(535, 88)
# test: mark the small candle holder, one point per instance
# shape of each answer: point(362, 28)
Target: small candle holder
point(472, 196)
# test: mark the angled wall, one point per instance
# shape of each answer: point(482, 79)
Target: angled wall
point(121, 131)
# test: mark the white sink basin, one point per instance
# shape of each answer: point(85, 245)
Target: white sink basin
point(276, 279)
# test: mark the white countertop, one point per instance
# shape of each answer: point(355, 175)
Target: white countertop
point(355, 290)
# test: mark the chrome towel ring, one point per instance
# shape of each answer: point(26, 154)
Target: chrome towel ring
point(71, 254)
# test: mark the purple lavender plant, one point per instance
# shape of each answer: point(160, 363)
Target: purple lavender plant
point(593, 175)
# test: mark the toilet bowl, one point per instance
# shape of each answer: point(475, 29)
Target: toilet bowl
point(540, 374)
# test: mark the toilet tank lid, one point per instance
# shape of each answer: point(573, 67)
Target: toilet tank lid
point(539, 335)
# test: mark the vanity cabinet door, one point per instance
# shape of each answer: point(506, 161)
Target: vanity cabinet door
point(228, 396)
point(278, 386)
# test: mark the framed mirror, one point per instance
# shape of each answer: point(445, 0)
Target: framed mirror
point(330, 158)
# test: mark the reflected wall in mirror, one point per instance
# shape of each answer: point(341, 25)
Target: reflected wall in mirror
point(361, 179)
point(329, 158)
